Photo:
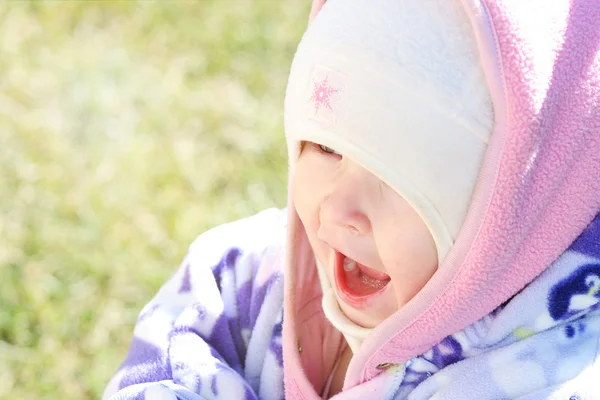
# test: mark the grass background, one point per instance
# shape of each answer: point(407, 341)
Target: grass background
point(126, 129)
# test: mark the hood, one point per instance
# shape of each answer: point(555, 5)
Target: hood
point(541, 344)
point(538, 187)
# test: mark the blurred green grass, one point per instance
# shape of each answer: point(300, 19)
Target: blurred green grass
point(126, 129)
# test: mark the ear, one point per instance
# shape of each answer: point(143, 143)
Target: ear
point(316, 7)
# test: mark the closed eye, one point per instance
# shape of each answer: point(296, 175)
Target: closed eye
point(306, 145)
point(327, 150)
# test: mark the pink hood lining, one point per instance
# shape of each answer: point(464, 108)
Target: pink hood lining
point(538, 189)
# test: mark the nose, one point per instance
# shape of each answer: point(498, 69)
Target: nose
point(346, 204)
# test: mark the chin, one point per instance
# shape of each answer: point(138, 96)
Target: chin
point(371, 314)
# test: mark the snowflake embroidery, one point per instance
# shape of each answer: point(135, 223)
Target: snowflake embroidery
point(321, 95)
point(324, 95)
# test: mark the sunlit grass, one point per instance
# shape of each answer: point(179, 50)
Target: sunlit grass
point(126, 129)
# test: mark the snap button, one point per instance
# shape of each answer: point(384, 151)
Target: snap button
point(384, 365)
point(299, 348)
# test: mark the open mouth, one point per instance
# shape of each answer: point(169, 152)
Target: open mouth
point(356, 282)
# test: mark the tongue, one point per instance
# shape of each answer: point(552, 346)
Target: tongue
point(380, 276)
point(362, 282)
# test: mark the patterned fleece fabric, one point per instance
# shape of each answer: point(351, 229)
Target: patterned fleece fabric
point(213, 331)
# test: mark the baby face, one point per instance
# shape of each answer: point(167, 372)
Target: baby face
point(377, 251)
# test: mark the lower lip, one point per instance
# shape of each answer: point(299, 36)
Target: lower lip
point(348, 295)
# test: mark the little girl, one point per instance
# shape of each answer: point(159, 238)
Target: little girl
point(440, 239)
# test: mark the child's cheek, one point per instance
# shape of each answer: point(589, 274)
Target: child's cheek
point(307, 189)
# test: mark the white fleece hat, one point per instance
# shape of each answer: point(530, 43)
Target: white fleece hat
point(398, 87)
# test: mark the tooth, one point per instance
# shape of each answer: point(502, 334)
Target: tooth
point(349, 264)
